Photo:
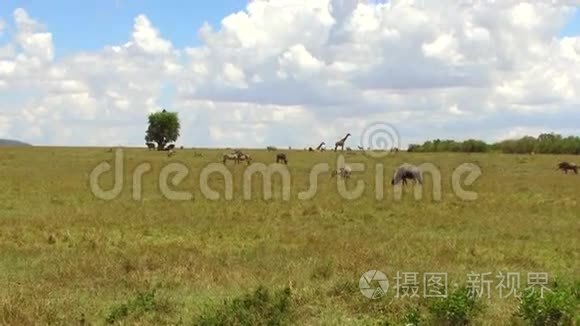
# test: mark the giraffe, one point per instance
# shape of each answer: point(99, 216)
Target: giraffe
point(341, 142)
point(319, 148)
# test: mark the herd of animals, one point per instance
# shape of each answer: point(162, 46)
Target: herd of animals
point(403, 173)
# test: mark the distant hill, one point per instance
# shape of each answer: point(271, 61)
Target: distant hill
point(9, 142)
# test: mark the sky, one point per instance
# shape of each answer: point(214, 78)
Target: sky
point(288, 72)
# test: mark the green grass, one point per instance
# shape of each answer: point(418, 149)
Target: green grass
point(67, 257)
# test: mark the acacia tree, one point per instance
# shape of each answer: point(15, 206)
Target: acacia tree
point(163, 128)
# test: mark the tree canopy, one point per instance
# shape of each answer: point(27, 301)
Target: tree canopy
point(543, 144)
point(163, 128)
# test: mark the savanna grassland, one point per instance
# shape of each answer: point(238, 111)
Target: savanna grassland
point(67, 257)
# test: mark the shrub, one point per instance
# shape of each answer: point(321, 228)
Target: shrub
point(557, 307)
point(413, 317)
point(142, 303)
point(258, 308)
point(458, 308)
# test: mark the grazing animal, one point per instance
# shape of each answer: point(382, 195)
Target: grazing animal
point(394, 150)
point(310, 149)
point(231, 157)
point(244, 157)
point(348, 149)
point(341, 142)
point(150, 145)
point(360, 148)
point(407, 172)
point(565, 166)
point(321, 147)
point(271, 148)
point(281, 157)
point(344, 172)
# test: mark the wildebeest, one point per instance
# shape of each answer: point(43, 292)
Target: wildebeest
point(170, 147)
point(407, 172)
point(565, 166)
point(271, 148)
point(150, 145)
point(344, 172)
point(281, 157)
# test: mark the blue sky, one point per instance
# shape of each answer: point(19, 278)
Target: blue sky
point(573, 27)
point(90, 24)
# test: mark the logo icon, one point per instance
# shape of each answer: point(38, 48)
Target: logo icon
point(373, 284)
point(378, 139)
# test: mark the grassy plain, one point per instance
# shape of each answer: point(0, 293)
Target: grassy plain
point(67, 257)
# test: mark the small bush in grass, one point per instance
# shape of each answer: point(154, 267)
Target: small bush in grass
point(559, 305)
point(413, 317)
point(258, 308)
point(143, 303)
point(458, 308)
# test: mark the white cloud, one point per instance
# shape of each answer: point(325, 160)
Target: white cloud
point(147, 38)
point(296, 72)
point(443, 48)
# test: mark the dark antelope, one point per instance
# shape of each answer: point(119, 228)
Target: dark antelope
point(281, 157)
point(565, 166)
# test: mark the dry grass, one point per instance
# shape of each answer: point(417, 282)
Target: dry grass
point(67, 257)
